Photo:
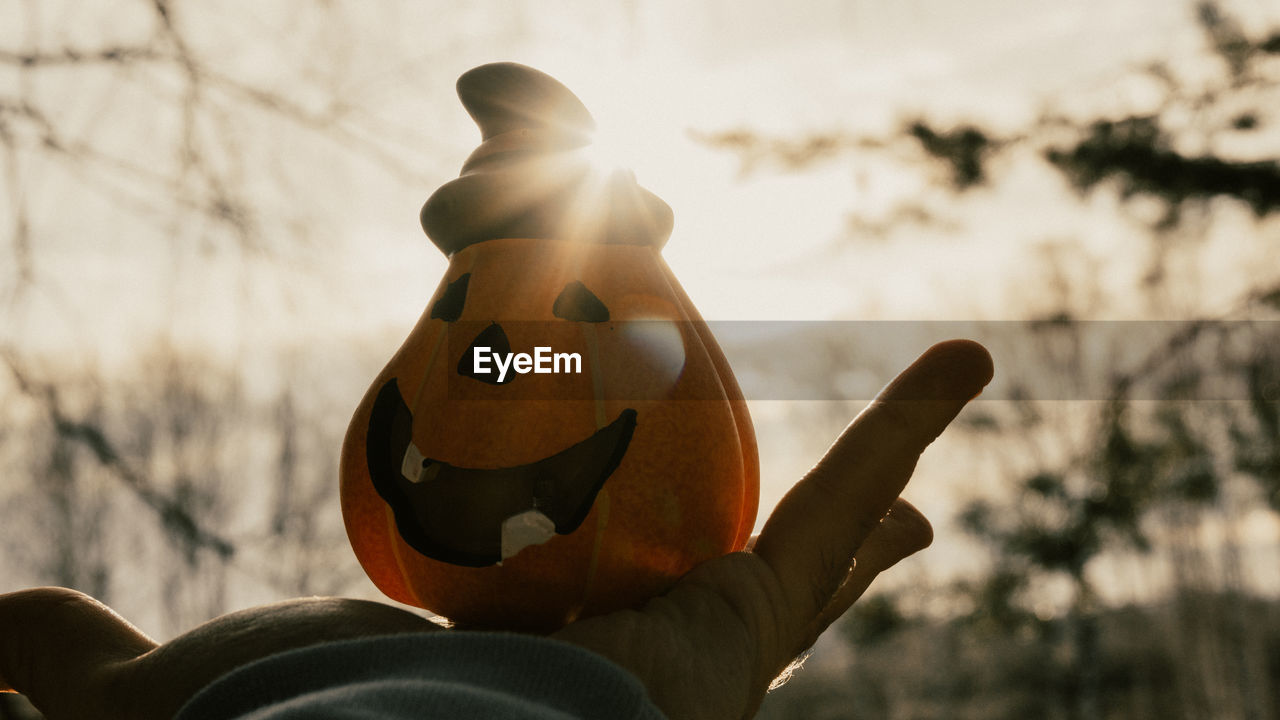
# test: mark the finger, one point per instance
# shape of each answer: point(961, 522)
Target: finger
point(903, 532)
point(822, 521)
point(56, 646)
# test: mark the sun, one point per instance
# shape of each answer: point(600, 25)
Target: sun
point(609, 154)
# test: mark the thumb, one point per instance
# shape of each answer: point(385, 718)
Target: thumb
point(58, 647)
point(903, 532)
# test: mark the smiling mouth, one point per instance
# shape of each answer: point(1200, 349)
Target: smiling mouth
point(481, 516)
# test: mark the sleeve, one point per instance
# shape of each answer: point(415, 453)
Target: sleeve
point(455, 675)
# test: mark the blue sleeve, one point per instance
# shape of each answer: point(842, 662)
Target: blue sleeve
point(455, 675)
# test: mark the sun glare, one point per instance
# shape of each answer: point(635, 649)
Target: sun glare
point(609, 153)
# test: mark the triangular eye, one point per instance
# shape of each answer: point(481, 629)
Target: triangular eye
point(449, 306)
point(495, 340)
point(579, 304)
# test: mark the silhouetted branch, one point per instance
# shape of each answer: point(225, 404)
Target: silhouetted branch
point(964, 149)
point(79, 56)
point(1135, 152)
point(791, 154)
point(20, 238)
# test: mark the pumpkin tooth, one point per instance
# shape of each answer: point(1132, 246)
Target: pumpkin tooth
point(413, 465)
point(521, 530)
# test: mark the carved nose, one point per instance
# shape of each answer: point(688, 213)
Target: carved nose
point(489, 345)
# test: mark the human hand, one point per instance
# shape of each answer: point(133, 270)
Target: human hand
point(734, 622)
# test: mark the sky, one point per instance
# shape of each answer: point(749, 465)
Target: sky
point(356, 271)
point(654, 74)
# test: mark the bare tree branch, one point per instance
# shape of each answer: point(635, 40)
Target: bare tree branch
point(79, 56)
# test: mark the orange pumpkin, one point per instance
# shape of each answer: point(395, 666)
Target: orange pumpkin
point(524, 500)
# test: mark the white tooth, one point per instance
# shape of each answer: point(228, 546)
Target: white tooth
point(411, 467)
point(520, 531)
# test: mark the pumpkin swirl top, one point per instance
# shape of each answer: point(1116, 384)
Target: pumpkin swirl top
point(532, 176)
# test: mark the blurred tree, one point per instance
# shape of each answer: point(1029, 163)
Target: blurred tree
point(190, 136)
point(156, 129)
point(174, 127)
point(223, 490)
point(1167, 456)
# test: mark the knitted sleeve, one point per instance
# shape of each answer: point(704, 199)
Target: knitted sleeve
point(455, 675)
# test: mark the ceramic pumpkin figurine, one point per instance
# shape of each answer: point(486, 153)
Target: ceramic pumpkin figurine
point(527, 494)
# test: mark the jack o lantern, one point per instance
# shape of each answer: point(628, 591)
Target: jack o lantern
point(560, 435)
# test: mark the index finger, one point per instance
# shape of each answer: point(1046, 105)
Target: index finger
point(820, 523)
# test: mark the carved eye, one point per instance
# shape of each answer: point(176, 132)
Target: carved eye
point(449, 306)
point(495, 341)
point(579, 304)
